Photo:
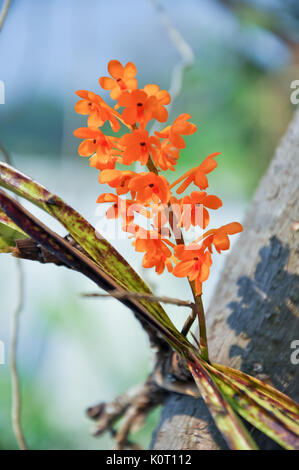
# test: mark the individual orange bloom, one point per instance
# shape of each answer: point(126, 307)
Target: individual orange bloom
point(197, 175)
point(180, 126)
point(165, 156)
point(157, 254)
point(195, 264)
point(137, 146)
point(219, 237)
point(96, 108)
point(96, 142)
point(123, 78)
point(139, 107)
point(162, 97)
point(150, 187)
point(194, 210)
point(117, 179)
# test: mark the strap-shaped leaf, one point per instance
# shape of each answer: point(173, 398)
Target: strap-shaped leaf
point(232, 429)
point(9, 233)
point(277, 421)
point(273, 397)
point(99, 249)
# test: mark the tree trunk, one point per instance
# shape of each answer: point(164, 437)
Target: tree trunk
point(253, 318)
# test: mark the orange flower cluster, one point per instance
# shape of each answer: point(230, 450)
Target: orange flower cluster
point(148, 193)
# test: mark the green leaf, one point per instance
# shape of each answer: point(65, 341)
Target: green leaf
point(232, 429)
point(9, 233)
point(274, 416)
point(272, 397)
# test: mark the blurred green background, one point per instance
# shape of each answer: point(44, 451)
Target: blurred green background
point(75, 352)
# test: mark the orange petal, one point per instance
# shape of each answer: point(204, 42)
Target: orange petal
point(201, 180)
point(184, 185)
point(87, 133)
point(131, 83)
point(209, 164)
point(81, 107)
point(212, 202)
point(107, 197)
point(107, 83)
point(129, 71)
point(87, 148)
point(115, 69)
point(83, 94)
point(182, 269)
point(106, 176)
point(177, 140)
point(233, 227)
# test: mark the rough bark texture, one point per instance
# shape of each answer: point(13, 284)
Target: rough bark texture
point(254, 315)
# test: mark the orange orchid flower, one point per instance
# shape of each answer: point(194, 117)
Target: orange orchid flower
point(194, 210)
point(197, 175)
point(219, 237)
point(165, 155)
point(157, 254)
point(150, 187)
point(97, 110)
point(117, 179)
point(123, 78)
point(162, 97)
point(195, 264)
point(180, 126)
point(96, 142)
point(137, 146)
point(139, 107)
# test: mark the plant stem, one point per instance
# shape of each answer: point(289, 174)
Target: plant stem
point(201, 323)
point(198, 309)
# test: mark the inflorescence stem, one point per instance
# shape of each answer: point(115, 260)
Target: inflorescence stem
point(199, 309)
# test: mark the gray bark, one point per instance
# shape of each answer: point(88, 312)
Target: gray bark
point(253, 317)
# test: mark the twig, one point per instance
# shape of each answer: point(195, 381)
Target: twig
point(138, 295)
point(189, 322)
point(4, 12)
point(16, 406)
point(183, 48)
point(15, 382)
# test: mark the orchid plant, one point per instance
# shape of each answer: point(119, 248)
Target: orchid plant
point(157, 219)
